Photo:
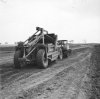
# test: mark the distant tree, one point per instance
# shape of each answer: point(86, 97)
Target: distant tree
point(84, 41)
point(6, 42)
point(15, 43)
point(71, 41)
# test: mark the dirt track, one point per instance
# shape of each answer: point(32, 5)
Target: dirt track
point(63, 80)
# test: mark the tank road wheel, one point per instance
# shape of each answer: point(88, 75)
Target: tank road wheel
point(16, 61)
point(41, 58)
point(60, 54)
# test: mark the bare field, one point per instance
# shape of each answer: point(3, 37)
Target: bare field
point(94, 74)
point(7, 48)
point(66, 79)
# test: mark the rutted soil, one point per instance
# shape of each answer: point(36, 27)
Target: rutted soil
point(67, 79)
point(94, 74)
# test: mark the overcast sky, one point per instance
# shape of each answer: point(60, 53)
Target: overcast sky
point(76, 20)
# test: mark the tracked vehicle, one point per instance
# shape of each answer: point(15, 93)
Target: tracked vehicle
point(41, 48)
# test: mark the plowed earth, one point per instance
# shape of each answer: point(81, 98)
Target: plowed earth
point(70, 78)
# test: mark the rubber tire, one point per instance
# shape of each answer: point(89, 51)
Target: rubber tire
point(16, 61)
point(65, 54)
point(40, 59)
point(61, 55)
point(70, 51)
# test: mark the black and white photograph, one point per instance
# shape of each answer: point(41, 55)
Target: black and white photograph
point(49, 49)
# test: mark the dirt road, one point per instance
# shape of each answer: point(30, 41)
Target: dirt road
point(63, 80)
